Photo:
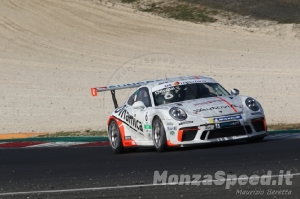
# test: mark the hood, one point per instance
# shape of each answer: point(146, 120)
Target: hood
point(212, 106)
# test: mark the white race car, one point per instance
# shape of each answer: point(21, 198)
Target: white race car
point(182, 111)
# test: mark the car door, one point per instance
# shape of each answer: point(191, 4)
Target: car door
point(143, 114)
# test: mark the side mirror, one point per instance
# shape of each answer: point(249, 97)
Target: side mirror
point(235, 91)
point(138, 105)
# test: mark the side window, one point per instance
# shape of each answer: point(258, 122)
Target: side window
point(143, 95)
point(131, 99)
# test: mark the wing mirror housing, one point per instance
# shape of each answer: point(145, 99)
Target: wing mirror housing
point(235, 91)
point(138, 105)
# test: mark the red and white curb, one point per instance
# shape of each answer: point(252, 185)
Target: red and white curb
point(30, 144)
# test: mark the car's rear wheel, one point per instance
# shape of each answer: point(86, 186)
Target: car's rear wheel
point(159, 135)
point(115, 137)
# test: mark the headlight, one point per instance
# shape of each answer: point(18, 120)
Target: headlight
point(252, 104)
point(177, 113)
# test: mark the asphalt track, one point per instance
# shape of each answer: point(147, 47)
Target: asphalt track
point(95, 172)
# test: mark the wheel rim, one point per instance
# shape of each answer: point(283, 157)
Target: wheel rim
point(157, 133)
point(114, 135)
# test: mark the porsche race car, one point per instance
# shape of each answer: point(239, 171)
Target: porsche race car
point(182, 111)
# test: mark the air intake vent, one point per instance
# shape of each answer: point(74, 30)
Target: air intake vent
point(226, 132)
point(258, 125)
point(187, 134)
point(249, 130)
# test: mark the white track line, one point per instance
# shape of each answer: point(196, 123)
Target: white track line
point(56, 144)
point(137, 186)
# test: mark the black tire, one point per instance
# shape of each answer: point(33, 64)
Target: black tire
point(115, 138)
point(159, 135)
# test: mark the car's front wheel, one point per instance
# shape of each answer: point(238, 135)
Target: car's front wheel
point(159, 135)
point(115, 137)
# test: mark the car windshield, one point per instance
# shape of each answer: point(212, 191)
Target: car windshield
point(187, 92)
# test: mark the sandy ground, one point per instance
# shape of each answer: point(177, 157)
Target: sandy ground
point(53, 51)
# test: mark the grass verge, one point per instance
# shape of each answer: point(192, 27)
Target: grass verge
point(176, 9)
point(182, 11)
point(282, 11)
point(85, 133)
point(282, 126)
point(128, 1)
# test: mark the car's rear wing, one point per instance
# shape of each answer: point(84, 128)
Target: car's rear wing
point(95, 90)
point(113, 88)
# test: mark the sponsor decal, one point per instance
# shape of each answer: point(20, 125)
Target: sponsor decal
point(214, 108)
point(127, 138)
point(235, 117)
point(170, 128)
point(146, 116)
point(186, 122)
point(164, 90)
point(161, 108)
point(226, 124)
point(192, 82)
point(130, 120)
point(209, 127)
point(229, 104)
point(207, 102)
point(170, 123)
point(147, 126)
point(172, 133)
point(210, 120)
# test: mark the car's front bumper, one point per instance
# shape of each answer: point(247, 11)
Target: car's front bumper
point(200, 134)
